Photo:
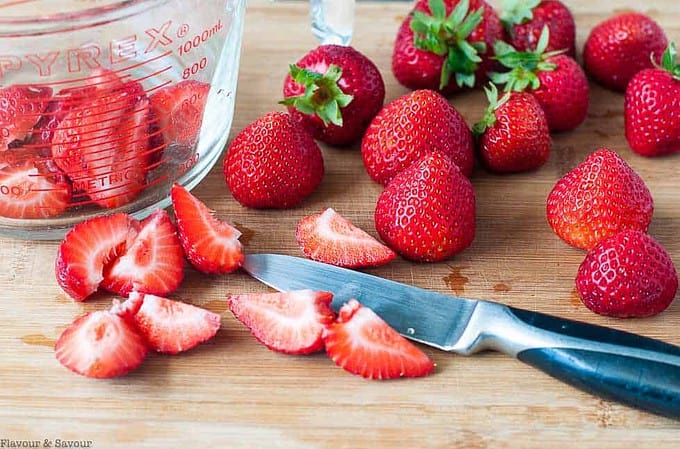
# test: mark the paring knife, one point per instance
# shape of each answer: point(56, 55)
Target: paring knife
point(634, 370)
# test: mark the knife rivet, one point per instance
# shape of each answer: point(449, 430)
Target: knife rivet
point(410, 331)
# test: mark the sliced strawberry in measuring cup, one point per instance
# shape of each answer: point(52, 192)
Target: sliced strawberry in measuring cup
point(179, 108)
point(33, 189)
point(20, 108)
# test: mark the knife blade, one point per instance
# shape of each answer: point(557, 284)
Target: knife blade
point(634, 370)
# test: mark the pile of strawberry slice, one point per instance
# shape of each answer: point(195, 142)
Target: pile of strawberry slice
point(97, 144)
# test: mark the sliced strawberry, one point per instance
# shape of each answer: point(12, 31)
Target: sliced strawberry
point(152, 263)
point(20, 108)
point(331, 238)
point(362, 343)
point(290, 322)
point(88, 247)
point(211, 245)
point(179, 108)
point(173, 326)
point(31, 190)
point(101, 344)
point(128, 308)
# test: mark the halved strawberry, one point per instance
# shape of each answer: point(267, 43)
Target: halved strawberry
point(289, 322)
point(88, 247)
point(331, 238)
point(31, 190)
point(20, 108)
point(210, 244)
point(152, 263)
point(101, 344)
point(179, 108)
point(173, 326)
point(362, 343)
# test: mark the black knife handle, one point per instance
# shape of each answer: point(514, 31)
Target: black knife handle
point(637, 371)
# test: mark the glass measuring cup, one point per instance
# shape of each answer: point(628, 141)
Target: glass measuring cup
point(332, 21)
point(103, 105)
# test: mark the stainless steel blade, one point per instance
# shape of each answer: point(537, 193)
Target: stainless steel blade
point(418, 314)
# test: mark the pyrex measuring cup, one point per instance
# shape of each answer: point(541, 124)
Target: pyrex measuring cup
point(104, 104)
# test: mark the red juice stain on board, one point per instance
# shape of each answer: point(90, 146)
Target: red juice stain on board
point(456, 280)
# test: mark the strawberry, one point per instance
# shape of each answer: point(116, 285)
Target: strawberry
point(556, 80)
point(446, 45)
point(427, 212)
point(362, 343)
point(331, 238)
point(179, 108)
point(651, 108)
point(152, 263)
point(172, 327)
point(101, 344)
point(289, 322)
point(210, 245)
point(410, 127)
point(620, 46)
point(273, 163)
point(600, 197)
point(20, 108)
point(32, 189)
point(513, 134)
point(334, 91)
point(524, 20)
point(627, 275)
point(102, 143)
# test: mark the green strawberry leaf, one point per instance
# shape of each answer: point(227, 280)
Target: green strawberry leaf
point(668, 61)
point(489, 117)
point(322, 97)
point(448, 37)
point(517, 12)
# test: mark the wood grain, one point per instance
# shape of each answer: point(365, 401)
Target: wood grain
point(233, 392)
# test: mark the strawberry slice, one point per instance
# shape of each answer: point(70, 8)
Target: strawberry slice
point(20, 108)
point(362, 343)
point(211, 245)
point(101, 344)
point(179, 108)
point(31, 189)
point(88, 247)
point(152, 263)
point(173, 326)
point(331, 238)
point(290, 322)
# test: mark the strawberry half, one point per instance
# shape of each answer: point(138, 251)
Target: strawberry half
point(331, 238)
point(33, 190)
point(290, 322)
point(362, 343)
point(20, 108)
point(179, 108)
point(210, 245)
point(173, 326)
point(87, 248)
point(101, 344)
point(152, 263)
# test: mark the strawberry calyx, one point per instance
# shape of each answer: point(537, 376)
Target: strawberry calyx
point(524, 65)
point(447, 36)
point(322, 97)
point(668, 61)
point(489, 117)
point(517, 12)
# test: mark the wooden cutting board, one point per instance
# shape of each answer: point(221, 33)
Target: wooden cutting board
point(235, 393)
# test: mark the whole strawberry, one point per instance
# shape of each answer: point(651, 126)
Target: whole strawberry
point(513, 135)
point(600, 197)
point(651, 108)
point(410, 127)
point(627, 275)
point(427, 212)
point(446, 45)
point(334, 91)
point(524, 19)
point(273, 163)
point(556, 80)
point(619, 47)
